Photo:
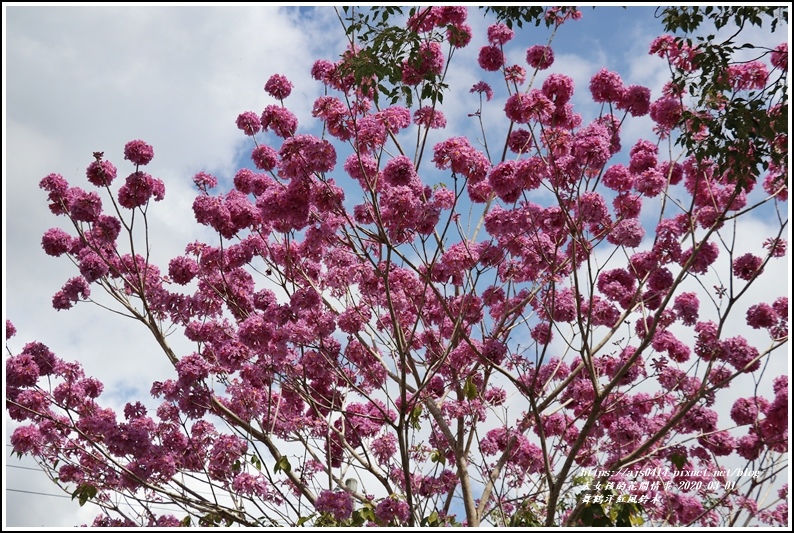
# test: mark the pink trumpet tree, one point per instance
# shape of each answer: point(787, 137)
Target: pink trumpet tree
point(535, 326)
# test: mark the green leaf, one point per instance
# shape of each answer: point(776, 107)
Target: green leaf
point(282, 465)
point(84, 492)
point(636, 519)
point(678, 460)
point(357, 520)
point(438, 457)
point(414, 417)
point(430, 521)
point(582, 480)
point(588, 515)
point(470, 389)
point(209, 520)
point(524, 516)
point(368, 512)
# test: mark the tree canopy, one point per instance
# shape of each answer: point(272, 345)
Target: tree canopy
point(393, 322)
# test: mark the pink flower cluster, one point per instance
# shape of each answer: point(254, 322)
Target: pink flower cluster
point(428, 63)
point(666, 112)
point(499, 34)
point(526, 107)
point(337, 504)
point(280, 120)
point(779, 56)
point(606, 86)
point(747, 266)
point(773, 318)
point(139, 188)
point(491, 58)
point(482, 87)
point(540, 57)
point(429, 118)
point(748, 76)
point(438, 16)
point(558, 15)
point(675, 50)
point(392, 511)
point(138, 152)
point(458, 155)
point(101, 173)
point(278, 86)
point(249, 123)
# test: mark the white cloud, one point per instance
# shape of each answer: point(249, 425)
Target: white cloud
point(85, 79)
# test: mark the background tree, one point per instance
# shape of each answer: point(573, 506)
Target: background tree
point(732, 96)
point(473, 335)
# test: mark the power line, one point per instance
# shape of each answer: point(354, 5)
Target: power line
point(130, 504)
point(65, 496)
point(37, 493)
point(197, 491)
point(26, 468)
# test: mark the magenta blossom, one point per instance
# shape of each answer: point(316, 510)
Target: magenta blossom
point(429, 62)
point(607, 86)
point(459, 36)
point(540, 57)
point(747, 266)
point(636, 100)
point(429, 117)
point(138, 152)
point(278, 86)
point(337, 504)
point(491, 58)
point(482, 87)
point(101, 173)
point(392, 509)
point(249, 123)
point(558, 88)
point(779, 57)
point(499, 34)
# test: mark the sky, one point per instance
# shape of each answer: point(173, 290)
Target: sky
point(82, 79)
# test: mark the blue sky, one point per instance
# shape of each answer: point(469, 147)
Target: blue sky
point(83, 79)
